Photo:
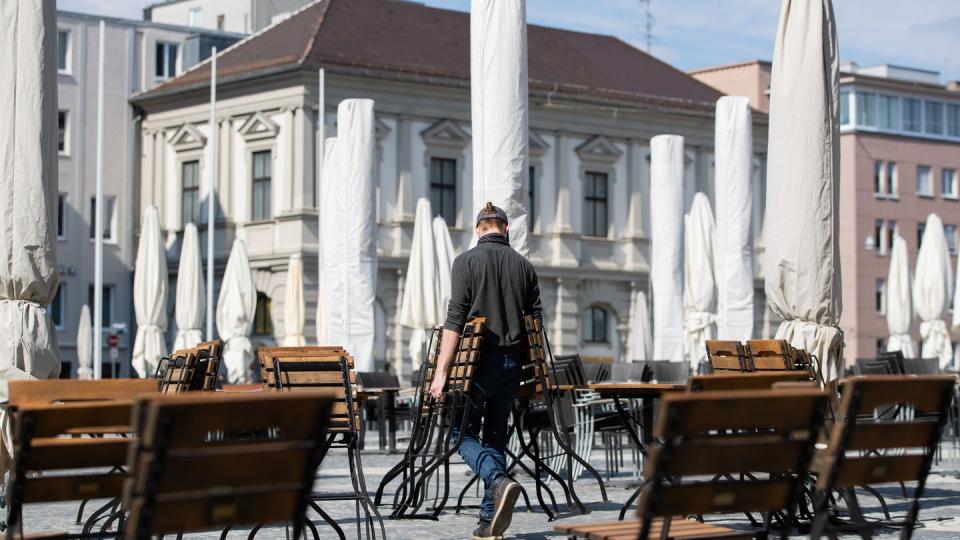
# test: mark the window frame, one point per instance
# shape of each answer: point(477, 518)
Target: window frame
point(932, 117)
point(591, 314)
point(263, 316)
point(65, 114)
point(950, 233)
point(929, 176)
point(256, 181)
point(591, 200)
point(166, 45)
point(61, 312)
point(918, 121)
point(111, 221)
point(67, 68)
point(952, 194)
point(62, 205)
point(194, 189)
point(880, 296)
point(443, 188)
point(109, 303)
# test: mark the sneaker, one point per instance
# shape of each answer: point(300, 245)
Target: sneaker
point(485, 532)
point(505, 493)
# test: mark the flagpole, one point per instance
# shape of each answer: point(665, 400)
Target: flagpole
point(211, 189)
point(98, 220)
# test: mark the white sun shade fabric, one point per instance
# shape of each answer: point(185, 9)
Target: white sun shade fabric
point(150, 296)
point(294, 308)
point(733, 142)
point(931, 292)
point(84, 345)
point(956, 313)
point(327, 223)
point(499, 111)
point(28, 167)
point(420, 306)
point(699, 292)
point(641, 340)
point(899, 303)
point(802, 265)
point(191, 300)
point(349, 235)
point(236, 307)
point(666, 264)
point(445, 256)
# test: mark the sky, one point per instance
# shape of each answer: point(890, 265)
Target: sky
point(691, 34)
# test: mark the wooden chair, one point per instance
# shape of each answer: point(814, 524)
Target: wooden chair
point(185, 479)
point(868, 447)
point(726, 355)
point(329, 370)
point(63, 431)
point(726, 381)
point(767, 436)
point(769, 355)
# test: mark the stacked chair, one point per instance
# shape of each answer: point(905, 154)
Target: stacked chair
point(190, 370)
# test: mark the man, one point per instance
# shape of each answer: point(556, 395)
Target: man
point(493, 281)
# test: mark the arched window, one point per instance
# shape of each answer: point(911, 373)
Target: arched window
point(262, 318)
point(595, 325)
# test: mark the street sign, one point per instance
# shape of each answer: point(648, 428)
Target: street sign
point(113, 341)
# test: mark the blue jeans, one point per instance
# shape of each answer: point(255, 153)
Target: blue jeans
point(494, 386)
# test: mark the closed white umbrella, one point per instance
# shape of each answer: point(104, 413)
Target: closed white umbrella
point(191, 301)
point(899, 303)
point(666, 264)
point(733, 143)
point(802, 265)
point(956, 313)
point(499, 111)
point(294, 308)
point(699, 292)
point(349, 239)
point(327, 223)
point(445, 256)
point(931, 292)
point(84, 345)
point(236, 307)
point(420, 306)
point(150, 296)
point(641, 340)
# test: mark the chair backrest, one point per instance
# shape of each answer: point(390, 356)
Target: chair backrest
point(182, 369)
point(921, 366)
point(460, 370)
point(186, 478)
point(665, 371)
point(535, 378)
point(757, 380)
point(872, 366)
point(769, 354)
point(723, 435)
point(46, 392)
point(377, 379)
point(596, 372)
point(210, 355)
point(630, 371)
point(265, 355)
point(895, 360)
point(869, 446)
point(573, 366)
point(299, 369)
point(726, 355)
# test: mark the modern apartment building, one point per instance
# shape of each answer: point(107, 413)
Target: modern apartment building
point(595, 103)
point(242, 16)
point(139, 56)
point(900, 157)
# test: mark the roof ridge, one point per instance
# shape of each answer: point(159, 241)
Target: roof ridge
point(311, 43)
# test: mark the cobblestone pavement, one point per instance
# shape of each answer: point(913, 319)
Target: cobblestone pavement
point(940, 514)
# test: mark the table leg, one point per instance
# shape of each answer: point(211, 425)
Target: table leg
point(628, 421)
point(382, 420)
point(391, 396)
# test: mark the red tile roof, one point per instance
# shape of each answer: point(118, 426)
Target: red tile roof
point(403, 39)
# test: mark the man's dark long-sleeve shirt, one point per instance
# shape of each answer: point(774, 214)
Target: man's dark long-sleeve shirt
point(492, 280)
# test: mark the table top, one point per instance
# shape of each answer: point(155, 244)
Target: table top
point(635, 390)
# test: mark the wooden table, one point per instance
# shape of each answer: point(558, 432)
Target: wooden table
point(647, 392)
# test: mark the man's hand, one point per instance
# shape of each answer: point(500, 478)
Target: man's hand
point(436, 387)
point(448, 344)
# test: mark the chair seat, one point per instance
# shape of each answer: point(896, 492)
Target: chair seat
point(628, 530)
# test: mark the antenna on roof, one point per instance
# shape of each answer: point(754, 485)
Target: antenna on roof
point(648, 23)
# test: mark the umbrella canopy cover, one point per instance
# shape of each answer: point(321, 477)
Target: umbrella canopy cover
point(294, 308)
point(84, 345)
point(28, 191)
point(641, 340)
point(699, 293)
point(419, 308)
point(733, 143)
point(666, 264)
point(327, 223)
point(445, 256)
point(499, 111)
point(150, 296)
point(899, 303)
point(349, 239)
point(931, 292)
point(802, 265)
point(191, 301)
point(236, 307)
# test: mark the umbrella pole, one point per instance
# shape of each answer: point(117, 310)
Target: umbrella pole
point(321, 146)
point(98, 221)
point(211, 191)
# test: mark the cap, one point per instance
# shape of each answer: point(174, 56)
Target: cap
point(498, 213)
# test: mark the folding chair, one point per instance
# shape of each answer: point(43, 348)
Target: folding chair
point(185, 478)
point(868, 447)
point(766, 436)
point(726, 356)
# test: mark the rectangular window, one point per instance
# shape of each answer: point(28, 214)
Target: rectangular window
point(262, 184)
point(109, 218)
point(879, 185)
point(62, 216)
point(108, 299)
point(950, 231)
point(889, 112)
point(879, 231)
point(166, 60)
point(953, 120)
point(922, 226)
point(912, 113)
point(595, 205)
point(190, 191)
point(948, 183)
point(62, 132)
point(194, 17)
point(933, 117)
point(866, 109)
point(891, 234)
point(532, 192)
point(924, 184)
point(220, 22)
point(443, 189)
point(844, 107)
point(58, 307)
point(63, 51)
point(891, 179)
point(880, 298)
